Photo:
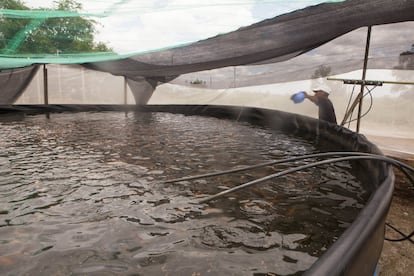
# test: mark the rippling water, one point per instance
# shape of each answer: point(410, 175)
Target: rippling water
point(82, 194)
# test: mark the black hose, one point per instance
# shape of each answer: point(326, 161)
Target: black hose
point(400, 165)
point(396, 163)
point(348, 156)
point(351, 156)
point(404, 236)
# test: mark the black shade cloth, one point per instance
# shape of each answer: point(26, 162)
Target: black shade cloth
point(269, 41)
point(13, 82)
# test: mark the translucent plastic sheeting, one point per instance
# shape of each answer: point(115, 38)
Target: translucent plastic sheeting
point(73, 84)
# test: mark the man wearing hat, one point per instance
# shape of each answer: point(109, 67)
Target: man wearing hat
point(320, 98)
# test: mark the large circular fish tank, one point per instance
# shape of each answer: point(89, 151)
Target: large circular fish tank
point(86, 190)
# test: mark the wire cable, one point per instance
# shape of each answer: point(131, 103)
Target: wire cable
point(349, 104)
point(367, 111)
point(369, 108)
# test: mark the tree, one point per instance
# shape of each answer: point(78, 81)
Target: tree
point(321, 71)
point(9, 27)
point(406, 60)
point(66, 34)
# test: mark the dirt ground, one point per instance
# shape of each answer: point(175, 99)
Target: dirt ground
point(397, 258)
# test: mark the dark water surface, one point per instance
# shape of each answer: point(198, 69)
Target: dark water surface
point(80, 194)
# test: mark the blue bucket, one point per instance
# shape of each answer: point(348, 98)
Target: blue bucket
point(298, 97)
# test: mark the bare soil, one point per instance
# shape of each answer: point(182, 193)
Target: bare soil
point(397, 258)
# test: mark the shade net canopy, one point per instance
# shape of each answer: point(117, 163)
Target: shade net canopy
point(72, 31)
point(188, 36)
point(219, 44)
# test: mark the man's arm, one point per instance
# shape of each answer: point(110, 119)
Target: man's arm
point(312, 98)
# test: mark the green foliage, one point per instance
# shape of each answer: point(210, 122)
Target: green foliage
point(10, 27)
point(48, 35)
point(68, 5)
point(12, 5)
point(406, 61)
point(321, 71)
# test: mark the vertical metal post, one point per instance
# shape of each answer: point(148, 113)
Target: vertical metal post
point(45, 89)
point(45, 86)
point(364, 72)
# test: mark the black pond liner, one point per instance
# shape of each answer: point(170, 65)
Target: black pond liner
point(358, 249)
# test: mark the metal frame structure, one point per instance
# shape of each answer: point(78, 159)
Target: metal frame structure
point(363, 83)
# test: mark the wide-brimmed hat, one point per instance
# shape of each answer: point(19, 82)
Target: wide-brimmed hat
point(325, 89)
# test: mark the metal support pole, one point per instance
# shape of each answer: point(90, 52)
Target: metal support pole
point(45, 89)
point(364, 73)
point(360, 96)
point(45, 86)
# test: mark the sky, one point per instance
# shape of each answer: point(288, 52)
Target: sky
point(142, 25)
